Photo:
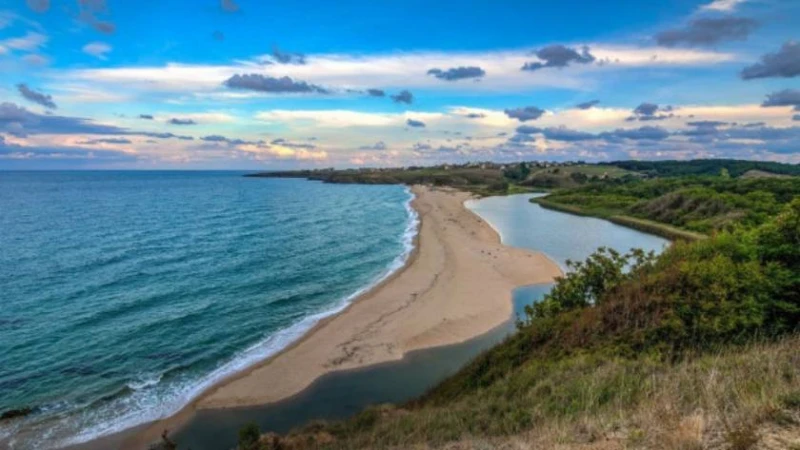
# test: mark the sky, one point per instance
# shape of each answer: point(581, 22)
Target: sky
point(254, 85)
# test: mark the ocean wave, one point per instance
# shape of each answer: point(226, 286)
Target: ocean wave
point(153, 398)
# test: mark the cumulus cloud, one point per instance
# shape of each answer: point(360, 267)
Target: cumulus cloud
point(587, 105)
point(146, 116)
point(99, 50)
point(380, 145)
point(650, 111)
point(376, 93)
point(415, 123)
point(707, 31)
point(785, 63)
point(457, 73)
point(475, 115)
point(36, 97)
point(261, 83)
point(179, 121)
point(786, 97)
point(525, 114)
point(403, 97)
point(559, 56)
point(282, 57)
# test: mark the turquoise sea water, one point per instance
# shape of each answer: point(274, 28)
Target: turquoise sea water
point(124, 294)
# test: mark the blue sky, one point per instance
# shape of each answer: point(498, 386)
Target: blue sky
point(244, 84)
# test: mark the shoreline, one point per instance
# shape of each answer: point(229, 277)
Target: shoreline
point(455, 254)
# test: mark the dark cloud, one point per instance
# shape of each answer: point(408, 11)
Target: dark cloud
point(785, 63)
point(641, 133)
point(380, 145)
point(565, 134)
point(229, 6)
point(559, 56)
point(475, 116)
point(524, 114)
point(587, 105)
point(557, 133)
point(707, 123)
point(178, 121)
point(146, 116)
point(288, 57)
point(786, 97)
point(796, 117)
point(521, 139)
point(106, 141)
point(36, 97)
point(420, 147)
point(707, 31)
point(283, 142)
point(163, 135)
point(18, 121)
point(261, 83)
point(457, 73)
point(38, 6)
point(415, 123)
point(89, 10)
point(376, 93)
point(223, 139)
point(403, 97)
point(650, 111)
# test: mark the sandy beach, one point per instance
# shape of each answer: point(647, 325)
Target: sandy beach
point(456, 285)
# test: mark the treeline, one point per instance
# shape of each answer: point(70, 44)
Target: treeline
point(699, 204)
point(733, 167)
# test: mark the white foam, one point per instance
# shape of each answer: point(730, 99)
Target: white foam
point(148, 403)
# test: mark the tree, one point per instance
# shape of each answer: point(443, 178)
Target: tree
point(249, 436)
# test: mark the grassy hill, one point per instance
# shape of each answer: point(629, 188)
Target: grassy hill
point(695, 348)
point(698, 205)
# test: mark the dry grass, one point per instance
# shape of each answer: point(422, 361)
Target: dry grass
point(737, 399)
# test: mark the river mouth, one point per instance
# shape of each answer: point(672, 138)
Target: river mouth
point(342, 394)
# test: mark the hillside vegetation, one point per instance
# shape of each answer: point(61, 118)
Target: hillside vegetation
point(695, 348)
point(696, 204)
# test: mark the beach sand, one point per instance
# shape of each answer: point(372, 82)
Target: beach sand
point(456, 285)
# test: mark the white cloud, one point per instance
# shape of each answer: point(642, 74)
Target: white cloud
point(722, 5)
point(35, 59)
point(31, 42)
point(400, 70)
point(99, 50)
point(342, 118)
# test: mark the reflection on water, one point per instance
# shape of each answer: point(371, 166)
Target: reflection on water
point(559, 235)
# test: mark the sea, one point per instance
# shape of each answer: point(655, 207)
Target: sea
point(124, 295)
